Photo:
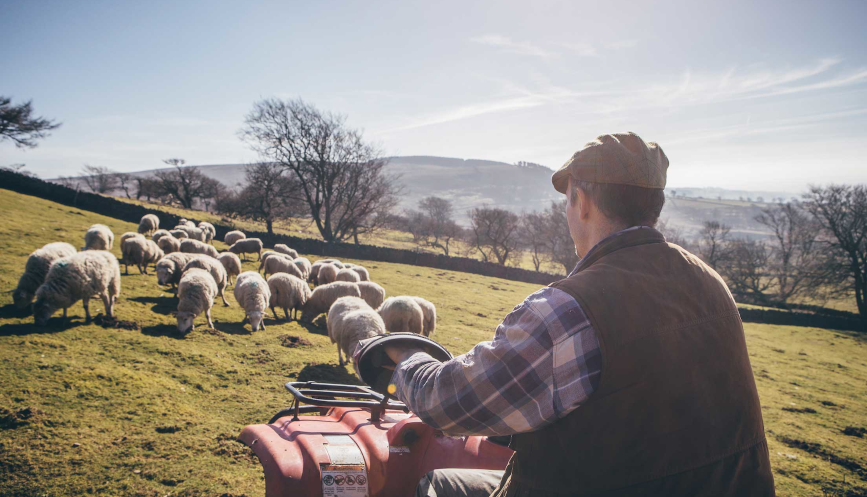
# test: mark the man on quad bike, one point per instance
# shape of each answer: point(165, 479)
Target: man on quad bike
point(629, 377)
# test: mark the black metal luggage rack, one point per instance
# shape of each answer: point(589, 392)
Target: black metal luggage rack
point(318, 395)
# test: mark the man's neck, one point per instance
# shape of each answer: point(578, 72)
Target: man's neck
point(601, 232)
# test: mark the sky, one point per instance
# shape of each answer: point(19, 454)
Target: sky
point(768, 95)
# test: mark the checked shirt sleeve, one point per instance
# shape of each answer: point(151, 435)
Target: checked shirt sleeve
point(543, 362)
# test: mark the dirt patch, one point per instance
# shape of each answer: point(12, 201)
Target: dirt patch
point(13, 419)
point(110, 322)
point(168, 429)
point(293, 341)
point(854, 431)
point(824, 453)
point(805, 410)
point(231, 447)
point(328, 373)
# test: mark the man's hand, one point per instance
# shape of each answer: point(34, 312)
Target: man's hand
point(398, 353)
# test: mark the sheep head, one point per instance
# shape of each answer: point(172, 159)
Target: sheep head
point(256, 320)
point(42, 311)
point(185, 321)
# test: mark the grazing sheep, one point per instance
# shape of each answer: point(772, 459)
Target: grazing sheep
point(217, 271)
point(347, 275)
point(247, 246)
point(363, 275)
point(210, 231)
point(348, 265)
point(402, 314)
point(159, 234)
point(98, 237)
point(148, 224)
point(35, 270)
point(283, 249)
point(182, 221)
point(179, 234)
point(281, 264)
point(336, 262)
point(265, 255)
point(325, 295)
point(429, 311)
point(253, 294)
point(187, 223)
point(78, 277)
point(141, 252)
point(233, 236)
point(287, 292)
point(351, 320)
point(313, 276)
point(123, 251)
point(171, 267)
point(169, 244)
point(372, 293)
point(327, 274)
point(128, 235)
point(196, 292)
point(304, 265)
point(191, 231)
point(231, 263)
point(197, 247)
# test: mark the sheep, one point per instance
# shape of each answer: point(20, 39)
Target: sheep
point(336, 262)
point(186, 222)
point(363, 275)
point(35, 270)
point(247, 246)
point(171, 267)
point(210, 231)
point(429, 312)
point(231, 263)
point(313, 275)
point(179, 234)
point(281, 264)
point(287, 292)
point(402, 314)
point(265, 255)
point(78, 277)
point(196, 292)
point(304, 265)
point(124, 259)
point(351, 320)
point(327, 274)
point(372, 293)
point(215, 268)
point(233, 236)
point(325, 295)
point(159, 234)
point(98, 237)
point(148, 224)
point(191, 231)
point(348, 265)
point(253, 294)
point(141, 252)
point(197, 247)
point(283, 249)
point(128, 235)
point(169, 244)
point(347, 275)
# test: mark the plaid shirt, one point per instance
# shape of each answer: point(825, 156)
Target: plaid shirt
point(543, 362)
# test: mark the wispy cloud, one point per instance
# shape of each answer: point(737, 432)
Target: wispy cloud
point(581, 49)
point(509, 45)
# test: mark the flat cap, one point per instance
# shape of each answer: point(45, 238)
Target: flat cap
point(620, 159)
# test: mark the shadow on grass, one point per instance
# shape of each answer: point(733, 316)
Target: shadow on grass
point(9, 311)
point(55, 325)
point(328, 373)
point(162, 305)
point(234, 327)
point(162, 330)
point(312, 328)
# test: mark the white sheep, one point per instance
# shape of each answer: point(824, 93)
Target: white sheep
point(159, 234)
point(123, 249)
point(197, 247)
point(191, 231)
point(372, 293)
point(284, 249)
point(265, 255)
point(35, 270)
point(304, 265)
point(231, 263)
point(196, 292)
point(325, 295)
point(347, 275)
point(351, 320)
point(233, 236)
point(148, 224)
point(363, 275)
point(281, 264)
point(313, 275)
point(210, 231)
point(179, 234)
point(169, 244)
point(253, 294)
point(287, 292)
point(98, 237)
point(215, 268)
point(336, 262)
point(247, 246)
point(402, 314)
point(187, 223)
point(429, 312)
point(171, 267)
point(141, 252)
point(327, 274)
point(78, 277)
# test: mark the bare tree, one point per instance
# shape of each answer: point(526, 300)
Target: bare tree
point(841, 211)
point(185, 184)
point(146, 187)
point(535, 237)
point(269, 195)
point(745, 271)
point(124, 181)
point(20, 169)
point(494, 233)
point(713, 243)
point(432, 225)
point(673, 234)
point(340, 176)
point(561, 245)
point(98, 178)
point(17, 123)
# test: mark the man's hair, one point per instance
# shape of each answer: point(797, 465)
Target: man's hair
point(630, 205)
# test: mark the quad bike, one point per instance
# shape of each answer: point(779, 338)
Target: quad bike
point(353, 441)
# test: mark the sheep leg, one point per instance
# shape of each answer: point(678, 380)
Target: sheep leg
point(340, 355)
point(208, 315)
point(140, 270)
point(86, 304)
point(223, 295)
point(64, 313)
point(274, 310)
point(286, 311)
point(260, 256)
point(107, 302)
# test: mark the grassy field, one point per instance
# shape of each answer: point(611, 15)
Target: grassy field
point(106, 411)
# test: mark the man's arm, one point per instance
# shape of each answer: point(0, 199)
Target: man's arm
point(542, 363)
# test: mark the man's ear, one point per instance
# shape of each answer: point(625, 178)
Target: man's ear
point(583, 204)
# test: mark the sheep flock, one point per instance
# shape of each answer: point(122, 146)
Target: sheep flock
point(356, 308)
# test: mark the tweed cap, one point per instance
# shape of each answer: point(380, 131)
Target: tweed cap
point(619, 158)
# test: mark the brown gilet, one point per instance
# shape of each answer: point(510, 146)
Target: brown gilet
point(676, 411)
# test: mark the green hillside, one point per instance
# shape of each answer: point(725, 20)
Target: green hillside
point(88, 410)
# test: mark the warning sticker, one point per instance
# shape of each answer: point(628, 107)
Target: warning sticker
point(344, 480)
